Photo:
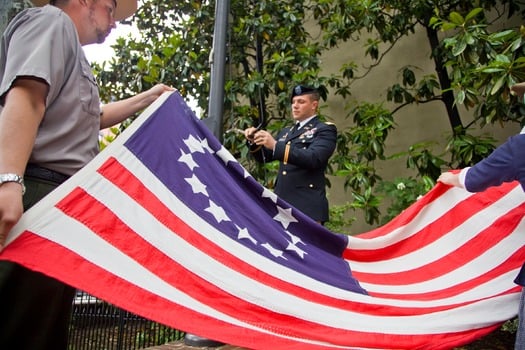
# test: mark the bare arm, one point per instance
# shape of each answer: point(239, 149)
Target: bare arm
point(22, 113)
point(116, 112)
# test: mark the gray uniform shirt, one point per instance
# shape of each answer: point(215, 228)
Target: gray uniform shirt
point(42, 42)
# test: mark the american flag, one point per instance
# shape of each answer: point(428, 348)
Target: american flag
point(167, 224)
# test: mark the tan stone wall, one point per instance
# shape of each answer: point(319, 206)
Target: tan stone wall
point(418, 123)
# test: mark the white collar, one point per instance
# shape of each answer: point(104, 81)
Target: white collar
point(303, 123)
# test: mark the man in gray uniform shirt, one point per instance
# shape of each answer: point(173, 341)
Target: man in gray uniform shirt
point(50, 119)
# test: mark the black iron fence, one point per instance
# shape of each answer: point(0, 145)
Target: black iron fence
point(97, 325)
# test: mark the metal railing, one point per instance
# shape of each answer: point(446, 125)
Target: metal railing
point(97, 325)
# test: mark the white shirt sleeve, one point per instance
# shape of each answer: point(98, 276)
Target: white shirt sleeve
point(462, 176)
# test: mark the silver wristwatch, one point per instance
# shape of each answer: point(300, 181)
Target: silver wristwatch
point(10, 177)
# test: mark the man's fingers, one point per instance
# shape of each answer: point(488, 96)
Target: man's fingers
point(4, 230)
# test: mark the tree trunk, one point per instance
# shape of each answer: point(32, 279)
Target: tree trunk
point(8, 9)
point(444, 80)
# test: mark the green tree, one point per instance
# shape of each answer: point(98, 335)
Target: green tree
point(273, 45)
point(8, 9)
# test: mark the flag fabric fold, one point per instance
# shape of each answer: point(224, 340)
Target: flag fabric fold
point(167, 224)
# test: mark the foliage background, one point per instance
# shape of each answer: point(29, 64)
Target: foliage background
point(475, 51)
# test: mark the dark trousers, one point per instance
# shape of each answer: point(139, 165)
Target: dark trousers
point(35, 309)
point(520, 334)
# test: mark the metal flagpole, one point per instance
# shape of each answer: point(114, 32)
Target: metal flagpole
point(218, 63)
point(215, 110)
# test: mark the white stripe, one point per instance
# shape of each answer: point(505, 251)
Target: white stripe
point(237, 284)
point(71, 234)
point(448, 243)
point(483, 263)
point(493, 287)
point(201, 264)
point(99, 252)
point(430, 213)
point(194, 220)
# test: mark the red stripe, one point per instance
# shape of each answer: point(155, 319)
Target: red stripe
point(125, 180)
point(431, 232)
point(128, 242)
point(515, 260)
point(135, 246)
point(177, 276)
point(408, 214)
point(116, 173)
point(82, 274)
point(98, 282)
point(485, 240)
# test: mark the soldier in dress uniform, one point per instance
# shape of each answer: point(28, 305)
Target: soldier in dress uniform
point(303, 151)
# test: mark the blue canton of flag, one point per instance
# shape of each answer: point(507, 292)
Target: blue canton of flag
point(206, 177)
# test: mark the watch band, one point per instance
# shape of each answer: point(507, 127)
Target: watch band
point(11, 177)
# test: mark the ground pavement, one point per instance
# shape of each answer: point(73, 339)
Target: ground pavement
point(179, 345)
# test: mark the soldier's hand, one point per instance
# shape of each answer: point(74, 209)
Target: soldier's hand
point(264, 138)
point(249, 133)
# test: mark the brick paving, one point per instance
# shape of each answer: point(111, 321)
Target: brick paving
point(179, 345)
